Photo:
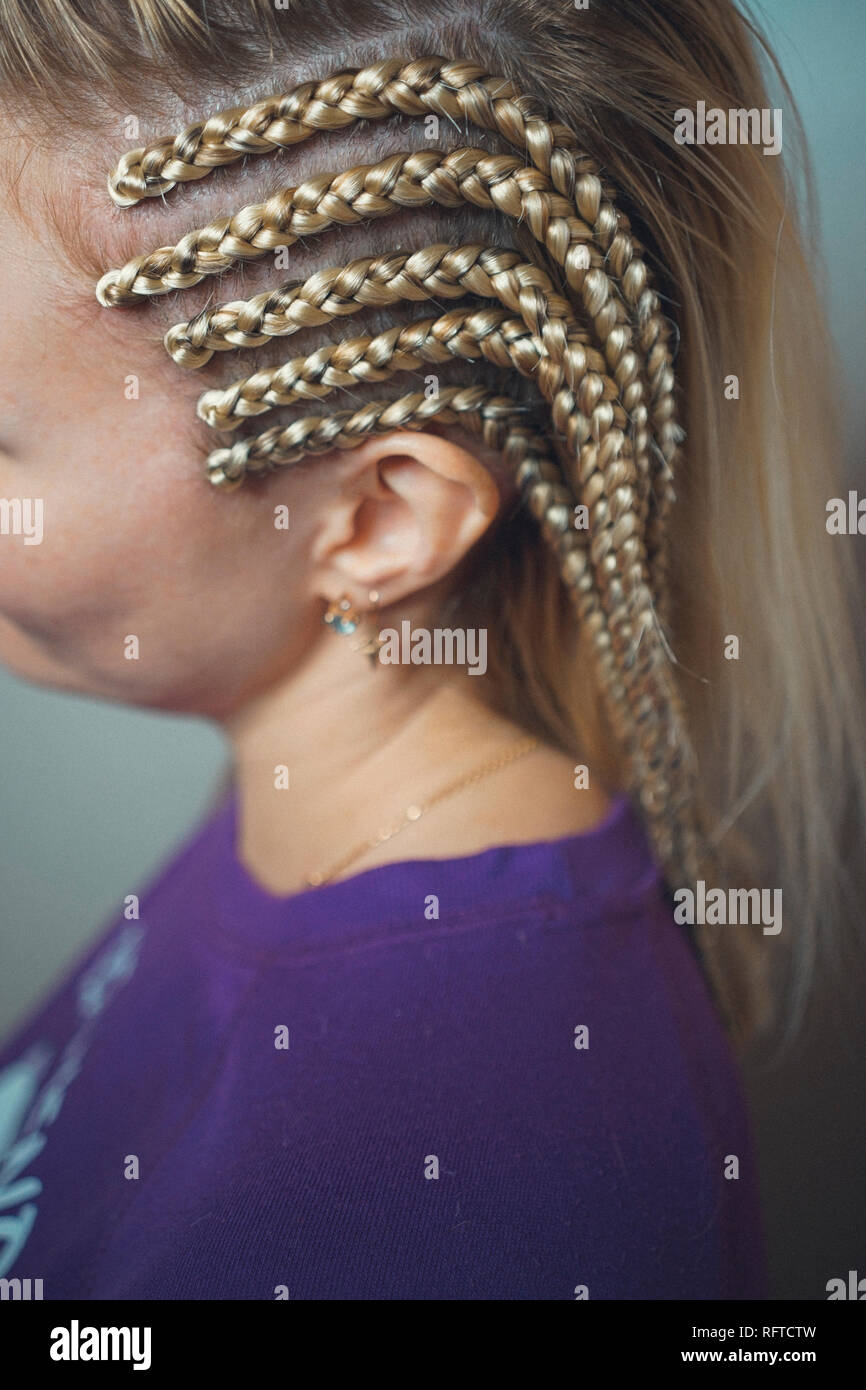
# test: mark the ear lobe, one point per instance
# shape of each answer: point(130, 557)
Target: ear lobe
point(411, 507)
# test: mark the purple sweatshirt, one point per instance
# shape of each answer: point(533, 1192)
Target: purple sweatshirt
point(493, 1077)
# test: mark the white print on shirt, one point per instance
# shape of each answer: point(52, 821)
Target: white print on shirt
point(28, 1107)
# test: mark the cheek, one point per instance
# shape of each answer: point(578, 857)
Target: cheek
point(136, 543)
point(98, 476)
point(100, 447)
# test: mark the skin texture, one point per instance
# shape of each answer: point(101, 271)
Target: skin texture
point(228, 609)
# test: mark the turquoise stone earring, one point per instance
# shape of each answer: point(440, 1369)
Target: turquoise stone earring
point(341, 616)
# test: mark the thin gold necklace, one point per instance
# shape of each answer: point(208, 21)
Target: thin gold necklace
point(414, 812)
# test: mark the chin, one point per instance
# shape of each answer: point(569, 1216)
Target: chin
point(25, 658)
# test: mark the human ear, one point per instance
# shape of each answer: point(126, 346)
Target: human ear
point(410, 506)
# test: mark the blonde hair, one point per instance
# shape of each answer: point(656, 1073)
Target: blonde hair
point(570, 307)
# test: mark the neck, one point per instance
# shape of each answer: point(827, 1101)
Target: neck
point(360, 743)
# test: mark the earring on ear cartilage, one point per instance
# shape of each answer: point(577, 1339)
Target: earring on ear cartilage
point(341, 616)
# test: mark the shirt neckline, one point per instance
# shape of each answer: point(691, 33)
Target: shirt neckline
point(588, 872)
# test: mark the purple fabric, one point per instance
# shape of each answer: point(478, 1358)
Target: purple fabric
point(415, 1044)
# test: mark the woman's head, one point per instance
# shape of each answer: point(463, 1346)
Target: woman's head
point(472, 318)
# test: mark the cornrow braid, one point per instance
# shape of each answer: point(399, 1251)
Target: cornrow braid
point(407, 180)
point(597, 348)
point(458, 91)
point(465, 175)
point(462, 93)
point(487, 412)
point(441, 271)
point(413, 179)
point(471, 334)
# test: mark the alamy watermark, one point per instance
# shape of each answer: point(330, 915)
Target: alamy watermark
point(22, 516)
point(441, 646)
point(77, 1343)
point(737, 126)
point(714, 907)
point(846, 519)
point(853, 1288)
point(21, 1290)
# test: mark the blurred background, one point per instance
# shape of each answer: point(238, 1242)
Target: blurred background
point(94, 798)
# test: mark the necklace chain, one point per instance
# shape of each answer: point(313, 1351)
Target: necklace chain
point(414, 812)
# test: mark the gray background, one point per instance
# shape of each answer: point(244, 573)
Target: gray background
point(93, 798)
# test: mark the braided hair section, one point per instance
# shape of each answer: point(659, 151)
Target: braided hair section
point(581, 323)
point(464, 94)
